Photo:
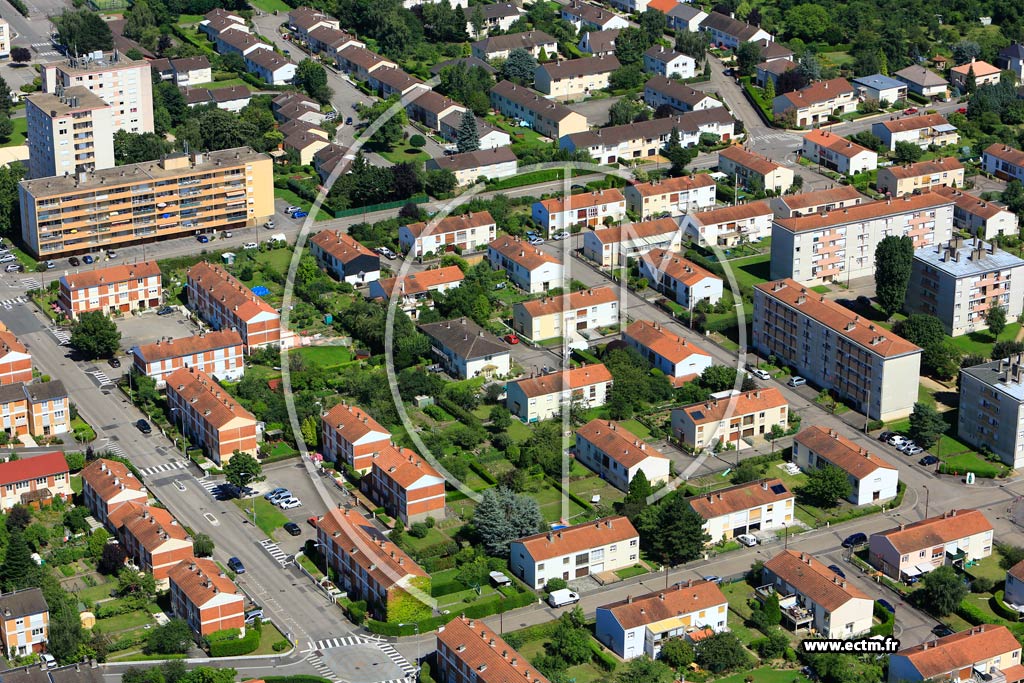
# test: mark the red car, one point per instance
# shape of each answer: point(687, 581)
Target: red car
point(511, 339)
point(313, 520)
point(961, 110)
point(912, 110)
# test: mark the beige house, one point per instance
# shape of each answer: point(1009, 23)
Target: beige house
point(604, 545)
point(566, 315)
point(817, 102)
point(872, 478)
point(754, 171)
point(684, 194)
point(587, 208)
point(470, 232)
point(745, 509)
point(816, 201)
point(730, 418)
point(983, 72)
point(923, 130)
point(985, 652)
point(614, 246)
point(617, 455)
point(897, 181)
point(494, 163)
point(548, 118)
point(812, 596)
point(952, 538)
point(542, 397)
point(728, 226)
point(837, 153)
point(574, 78)
point(661, 90)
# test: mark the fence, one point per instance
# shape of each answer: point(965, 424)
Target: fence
point(421, 199)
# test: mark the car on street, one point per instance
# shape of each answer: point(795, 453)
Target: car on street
point(275, 492)
point(906, 446)
point(235, 565)
point(289, 503)
point(50, 265)
point(537, 241)
point(300, 214)
point(74, 261)
point(202, 239)
point(886, 605)
point(144, 427)
point(7, 258)
point(913, 450)
point(836, 570)
point(253, 614)
point(759, 373)
point(961, 110)
point(88, 258)
point(912, 110)
point(111, 254)
point(511, 339)
point(293, 529)
point(330, 116)
point(748, 540)
point(348, 121)
point(13, 268)
point(250, 245)
point(560, 236)
point(928, 460)
point(293, 209)
point(114, 362)
point(796, 381)
point(385, 252)
point(165, 310)
point(712, 578)
point(270, 224)
point(48, 661)
point(858, 538)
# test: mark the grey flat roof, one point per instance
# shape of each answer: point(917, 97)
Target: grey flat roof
point(965, 266)
point(879, 82)
point(989, 374)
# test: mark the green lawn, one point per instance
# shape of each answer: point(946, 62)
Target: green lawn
point(630, 572)
point(268, 516)
point(982, 342)
point(639, 429)
point(821, 289)
point(764, 675)
point(583, 673)
point(405, 152)
point(550, 501)
point(750, 270)
point(327, 356)
point(268, 636)
point(231, 82)
point(123, 622)
point(838, 58)
point(93, 593)
point(271, 5)
point(20, 134)
point(971, 462)
point(188, 19)
point(989, 568)
point(434, 536)
point(518, 431)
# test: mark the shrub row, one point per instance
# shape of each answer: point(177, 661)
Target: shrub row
point(484, 474)
point(437, 564)
point(127, 642)
point(458, 412)
point(970, 613)
point(477, 611)
point(888, 620)
point(236, 647)
point(223, 634)
point(585, 504)
point(517, 639)
point(1001, 608)
point(604, 660)
point(441, 549)
point(20, 6)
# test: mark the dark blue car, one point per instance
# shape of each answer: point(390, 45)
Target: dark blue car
point(235, 565)
point(300, 214)
point(855, 539)
point(203, 239)
point(886, 605)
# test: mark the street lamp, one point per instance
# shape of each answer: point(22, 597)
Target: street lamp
point(927, 498)
point(251, 476)
point(416, 628)
point(786, 544)
point(181, 428)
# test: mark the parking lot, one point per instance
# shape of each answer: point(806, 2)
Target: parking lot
point(147, 327)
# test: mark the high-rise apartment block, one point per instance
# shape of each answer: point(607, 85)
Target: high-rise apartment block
point(69, 132)
point(125, 84)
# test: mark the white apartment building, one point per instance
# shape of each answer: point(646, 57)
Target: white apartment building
point(576, 551)
point(617, 455)
point(530, 269)
point(683, 281)
point(745, 509)
point(729, 225)
point(219, 353)
point(639, 626)
point(659, 90)
point(1004, 162)
point(469, 233)
point(668, 62)
point(833, 348)
point(566, 315)
point(838, 246)
point(733, 418)
point(68, 134)
point(574, 78)
point(923, 130)
point(684, 194)
point(837, 153)
point(959, 282)
point(542, 397)
point(466, 350)
point(872, 478)
point(614, 246)
point(125, 84)
point(679, 359)
point(5, 38)
point(589, 208)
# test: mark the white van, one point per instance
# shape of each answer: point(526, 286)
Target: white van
point(563, 597)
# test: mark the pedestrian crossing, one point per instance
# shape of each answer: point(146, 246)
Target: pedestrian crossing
point(30, 283)
point(210, 485)
point(102, 378)
point(44, 50)
point(10, 303)
point(163, 467)
point(331, 643)
point(321, 668)
point(274, 551)
point(401, 662)
point(63, 336)
point(114, 448)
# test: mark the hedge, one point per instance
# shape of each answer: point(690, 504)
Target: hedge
point(602, 659)
point(438, 549)
point(236, 647)
point(888, 620)
point(970, 613)
point(458, 412)
point(1001, 608)
point(585, 504)
point(477, 611)
point(438, 564)
point(484, 474)
point(517, 639)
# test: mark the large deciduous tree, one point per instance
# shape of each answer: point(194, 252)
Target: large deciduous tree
point(243, 469)
point(894, 257)
point(312, 77)
point(995, 318)
point(827, 486)
point(95, 336)
point(82, 31)
point(942, 591)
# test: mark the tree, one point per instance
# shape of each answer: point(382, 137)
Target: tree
point(312, 77)
point(111, 560)
point(519, 67)
point(672, 531)
point(627, 77)
point(718, 377)
point(644, 670)
point(748, 55)
point(18, 517)
point(693, 44)
point(808, 22)
point(653, 24)
point(439, 181)
point(626, 110)
point(965, 51)
point(942, 592)
point(134, 148)
point(243, 469)
point(636, 497)
point(474, 574)
point(745, 472)
point(500, 418)
point(630, 46)
point(21, 55)
point(971, 85)
point(926, 425)
point(173, 638)
point(677, 154)
point(65, 631)
point(503, 516)
point(894, 257)
point(467, 139)
point(202, 545)
point(97, 541)
point(95, 336)
point(775, 433)
point(75, 518)
point(570, 641)
point(677, 653)
point(722, 652)
point(132, 582)
point(392, 125)
point(995, 318)
point(16, 572)
point(10, 176)
point(82, 31)
point(1005, 349)
point(827, 486)
point(769, 88)
point(923, 330)
point(309, 428)
point(906, 152)
point(1009, 555)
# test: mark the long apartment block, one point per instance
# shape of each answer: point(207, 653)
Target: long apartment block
point(836, 349)
point(837, 245)
point(176, 196)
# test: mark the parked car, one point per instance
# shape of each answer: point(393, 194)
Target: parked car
point(235, 565)
point(537, 241)
point(114, 362)
point(270, 224)
point(276, 492)
point(165, 310)
point(796, 381)
point(759, 373)
point(293, 529)
point(712, 578)
point(250, 245)
point(88, 258)
point(144, 427)
point(253, 614)
point(913, 450)
point(13, 268)
point(300, 214)
point(277, 497)
point(906, 446)
point(511, 339)
point(111, 254)
point(885, 436)
point(74, 261)
point(912, 110)
point(961, 110)
point(289, 503)
point(560, 236)
point(8, 258)
point(313, 520)
point(47, 660)
point(50, 265)
point(348, 121)
point(836, 570)
point(293, 209)
point(928, 460)
point(886, 605)
point(941, 630)
point(748, 540)
point(897, 440)
point(202, 239)
point(562, 597)
point(858, 538)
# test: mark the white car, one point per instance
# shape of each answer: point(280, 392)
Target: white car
point(7, 258)
point(250, 245)
point(536, 241)
point(560, 236)
point(796, 381)
point(289, 503)
point(292, 209)
point(270, 224)
point(760, 374)
point(748, 540)
point(898, 441)
point(12, 268)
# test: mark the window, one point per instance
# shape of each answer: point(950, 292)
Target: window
point(632, 543)
point(540, 567)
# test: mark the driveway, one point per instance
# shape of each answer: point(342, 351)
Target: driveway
point(596, 111)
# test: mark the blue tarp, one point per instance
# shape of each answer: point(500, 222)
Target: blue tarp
point(260, 290)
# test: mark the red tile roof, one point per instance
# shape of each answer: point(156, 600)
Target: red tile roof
point(622, 233)
point(958, 651)
point(111, 274)
point(926, 168)
point(970, 204)
point(187, 346)
point(670, 185)
point(1005, 153)
point(152, 526)
point(212, 403)
point(490, 658)
point(583, 200)
point(566, 379)
point(944, 528)
point(525, 254)
point(821, 91)
point(225, 288)
point(33, 467)
point(836, 195)
point(980, 68)
point(669, 346)
point(576, 539)
point(813, 579)
point(905, 123)
point(357, 538)
point(453, 224)
point(835, 144)
point(676, 267)
point(404, 466)
point(683, 598)
point(570, 302)
point(617, 442)
point(742, 497)
point(340, 245)
point(423, 281)
point(839, 319)
point(755, 162)
point(109, 477)
point(201, 580)
point(353, 422)
point(728, 214)
point(864, 212)
point(842, 452)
